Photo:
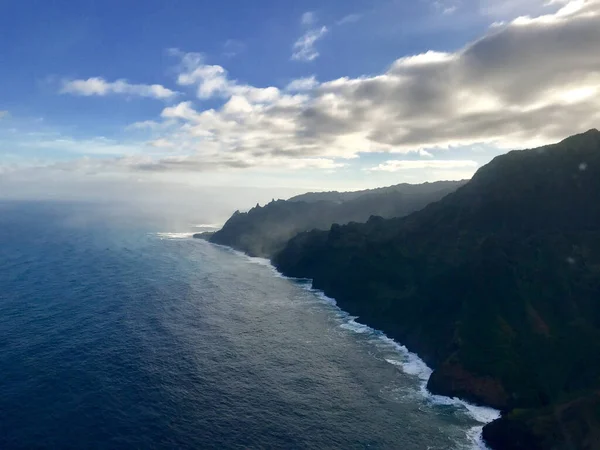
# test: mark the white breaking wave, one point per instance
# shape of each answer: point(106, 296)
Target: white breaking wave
point(352, 325)
point(411, 364)
point(166, 235)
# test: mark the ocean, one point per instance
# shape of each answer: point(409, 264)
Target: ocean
point(118, 330)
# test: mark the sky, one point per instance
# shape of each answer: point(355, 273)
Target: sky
point(268, 98)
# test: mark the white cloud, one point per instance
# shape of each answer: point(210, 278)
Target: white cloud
point(350, 18)
point(304, 48)
point(397, 165)
point(509, 9)
point(162, 143)
point(308, 18)
point(491, 92)
point(3, 114)
point(527, 83)
point(99, 86)
point(182, 110)
point(446, 7)
point(302, 84)
point(212, 80)
point(93, 146)
point(144, 125)
point(233, 47)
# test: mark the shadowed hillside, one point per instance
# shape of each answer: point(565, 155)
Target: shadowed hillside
point(497, 287)
point(263, 231)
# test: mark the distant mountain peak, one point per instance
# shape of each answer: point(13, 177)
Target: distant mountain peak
point(577, 138)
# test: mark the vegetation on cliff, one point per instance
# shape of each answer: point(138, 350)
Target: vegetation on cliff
point(497, 287)
point(263, 231)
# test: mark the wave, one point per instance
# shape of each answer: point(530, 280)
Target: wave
point(184, 235)
point(412, 365)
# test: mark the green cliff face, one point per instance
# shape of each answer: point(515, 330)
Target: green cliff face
point(497, 287)
point(263, 231)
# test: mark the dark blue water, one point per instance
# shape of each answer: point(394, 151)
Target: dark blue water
point(113, 335)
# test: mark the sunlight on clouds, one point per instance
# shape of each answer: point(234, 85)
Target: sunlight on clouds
point(212, 80)
point(429, 57)
point(529, 82)
point(302, 84)
point(490, 92)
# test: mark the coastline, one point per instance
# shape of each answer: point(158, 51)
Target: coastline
point(411, 364)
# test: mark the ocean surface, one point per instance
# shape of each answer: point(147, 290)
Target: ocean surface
point(118, 330)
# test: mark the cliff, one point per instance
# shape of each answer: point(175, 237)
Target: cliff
point(496, 286)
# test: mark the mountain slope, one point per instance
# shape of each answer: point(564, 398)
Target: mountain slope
point(497, 287)
point(403, 188)
point(263, 231)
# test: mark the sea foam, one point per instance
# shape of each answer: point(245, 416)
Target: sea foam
point(411, 364)
point(185, 235)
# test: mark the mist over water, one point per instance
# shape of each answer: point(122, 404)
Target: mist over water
point(117, 330)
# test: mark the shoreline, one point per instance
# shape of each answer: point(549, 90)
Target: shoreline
point(479, 413)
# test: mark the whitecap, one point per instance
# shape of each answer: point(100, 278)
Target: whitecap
point(167, 235)
point(352, 325)
point(411, 364)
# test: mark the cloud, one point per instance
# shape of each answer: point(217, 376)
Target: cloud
point(233, 47)
point(193, 164)
point(304, 48)
point(397, 165)
point(93, 146)
point(308, 18)
point(492, 92)
point(350, 18)
point(213, 80)
point(99, 86)
point(529, 82)
point(143, 125)
point(3, 114)
point(446, 7)
point(161, 143)
point(302, 84)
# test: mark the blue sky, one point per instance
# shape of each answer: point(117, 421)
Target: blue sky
point(302, 94)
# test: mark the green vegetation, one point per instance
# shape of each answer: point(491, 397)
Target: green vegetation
point(497, 287)
point(263, 231)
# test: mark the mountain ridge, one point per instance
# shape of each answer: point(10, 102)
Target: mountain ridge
point(264, 230)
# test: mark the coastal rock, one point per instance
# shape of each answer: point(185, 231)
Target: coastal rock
point(452, 380)
point(207, 235)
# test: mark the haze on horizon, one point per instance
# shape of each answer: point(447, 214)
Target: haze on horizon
point(237, 103)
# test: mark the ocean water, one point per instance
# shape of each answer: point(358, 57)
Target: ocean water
point(120, 331)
